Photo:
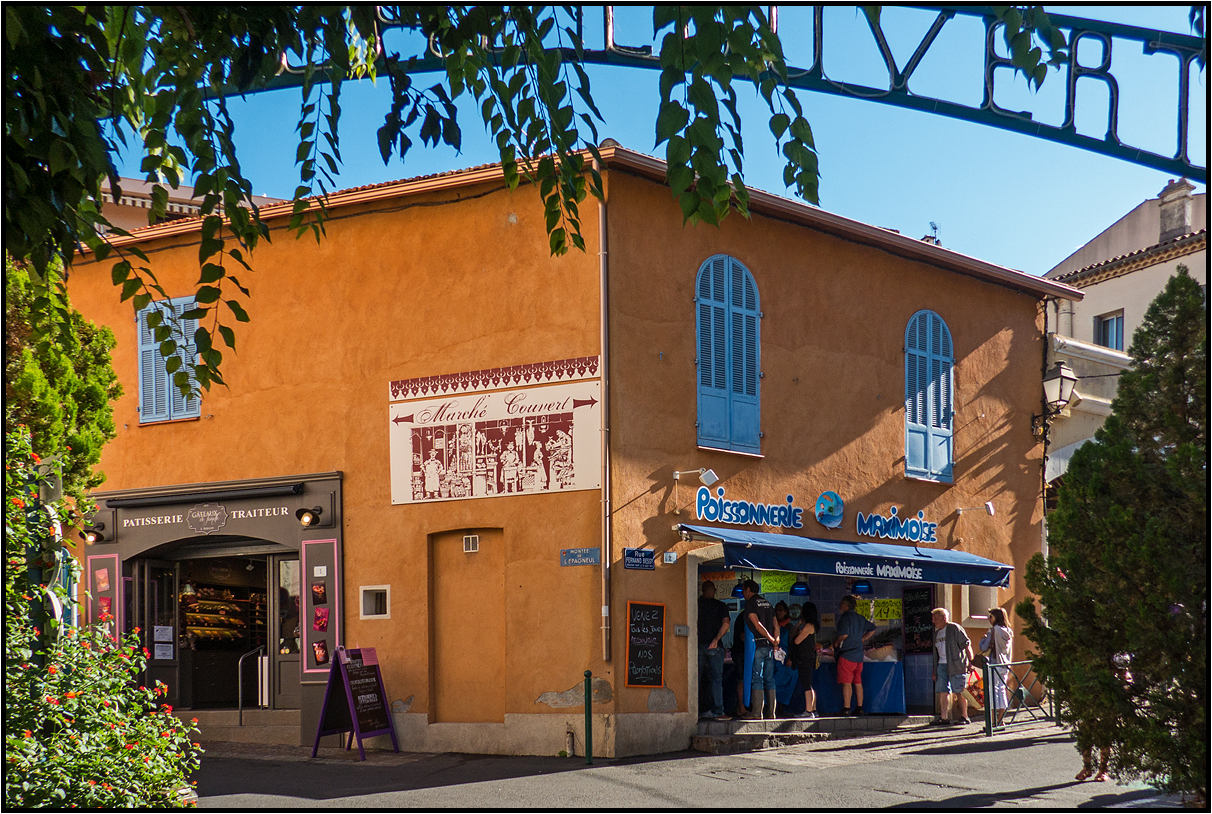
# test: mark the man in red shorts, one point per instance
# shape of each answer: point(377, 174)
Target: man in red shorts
point(852, 631)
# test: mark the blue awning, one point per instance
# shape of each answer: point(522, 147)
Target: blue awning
point(785, 552)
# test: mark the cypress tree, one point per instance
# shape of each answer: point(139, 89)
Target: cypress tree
point(1123, 642)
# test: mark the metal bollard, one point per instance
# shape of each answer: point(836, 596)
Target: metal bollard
point(988, 699)
point(588, 719)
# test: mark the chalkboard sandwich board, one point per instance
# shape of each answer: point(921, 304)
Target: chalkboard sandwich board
point(645, 644)
point(355, 700)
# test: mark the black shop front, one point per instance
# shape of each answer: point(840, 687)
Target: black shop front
point(211, 578)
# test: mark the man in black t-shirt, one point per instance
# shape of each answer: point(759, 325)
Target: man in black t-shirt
point(759, 617)
point(713, 624)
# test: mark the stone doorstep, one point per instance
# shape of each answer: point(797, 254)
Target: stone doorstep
point(271, 726)
point(829, 724)
point(753, 742)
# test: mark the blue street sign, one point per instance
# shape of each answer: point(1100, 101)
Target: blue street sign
point(639, 558)
point(580, 556)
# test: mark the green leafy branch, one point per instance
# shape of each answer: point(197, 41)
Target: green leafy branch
point(705, 50)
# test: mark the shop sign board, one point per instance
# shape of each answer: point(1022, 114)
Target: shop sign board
point(743, 512)
point(580, 556)
point(915, 530)
point(355, 700)
point(645, 644)
point(829, 509)
point(531, 440)
point(640, 559)
point(206, 518)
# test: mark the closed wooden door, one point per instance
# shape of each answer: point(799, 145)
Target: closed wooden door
point(467, 627)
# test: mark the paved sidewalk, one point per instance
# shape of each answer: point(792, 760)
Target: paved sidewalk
point(1031, 767)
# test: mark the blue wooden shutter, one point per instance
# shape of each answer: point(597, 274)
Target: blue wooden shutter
point(182, 407)
point(929, 404)
point(745, 404)
point(153, 391)
point(711, 317)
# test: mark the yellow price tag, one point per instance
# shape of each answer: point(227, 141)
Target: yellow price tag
point(887, 609)
point(777, 582)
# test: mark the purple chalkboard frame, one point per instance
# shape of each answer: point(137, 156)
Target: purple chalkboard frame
point(342, 677)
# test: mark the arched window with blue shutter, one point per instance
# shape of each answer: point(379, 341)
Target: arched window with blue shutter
point(159, 398)
point(929, 401)
point(728, 323)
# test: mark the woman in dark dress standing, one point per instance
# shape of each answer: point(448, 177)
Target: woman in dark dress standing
point(804, 642)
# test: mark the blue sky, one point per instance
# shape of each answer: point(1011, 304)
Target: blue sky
point(1010, 199)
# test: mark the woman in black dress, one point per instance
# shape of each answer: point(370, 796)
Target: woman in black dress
point(804, 642)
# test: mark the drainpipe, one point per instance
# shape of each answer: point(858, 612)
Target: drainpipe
point(604, 321)
point(1043, 473)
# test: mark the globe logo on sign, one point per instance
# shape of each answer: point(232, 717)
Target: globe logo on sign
point(829, 510)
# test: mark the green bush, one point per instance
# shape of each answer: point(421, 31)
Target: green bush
point(79, 729)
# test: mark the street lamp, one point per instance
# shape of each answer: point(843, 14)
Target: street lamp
point(1058, 392)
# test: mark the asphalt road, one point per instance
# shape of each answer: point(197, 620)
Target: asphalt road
point(1032, 767)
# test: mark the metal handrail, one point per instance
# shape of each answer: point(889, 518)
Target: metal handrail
point(1017, 701)
point(240, 679)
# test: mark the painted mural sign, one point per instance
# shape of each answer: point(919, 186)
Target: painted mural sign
point(743, 512)
point(915, 530)
point(532, 440)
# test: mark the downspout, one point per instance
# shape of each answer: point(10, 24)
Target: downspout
point(604, 322)
point(1043, 471)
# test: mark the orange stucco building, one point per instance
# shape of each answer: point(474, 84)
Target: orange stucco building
point(486, 429)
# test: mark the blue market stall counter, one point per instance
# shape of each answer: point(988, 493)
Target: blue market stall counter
point(883, 689)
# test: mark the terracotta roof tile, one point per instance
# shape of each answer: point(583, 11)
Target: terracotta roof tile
point(1156, 247)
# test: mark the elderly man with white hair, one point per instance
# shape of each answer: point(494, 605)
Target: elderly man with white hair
point(952, 657)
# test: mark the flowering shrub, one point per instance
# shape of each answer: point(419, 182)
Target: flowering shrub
point(79, 729)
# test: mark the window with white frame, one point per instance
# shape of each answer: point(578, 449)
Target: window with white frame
point(376, 602)
point(159, 397)
point(929, 398)
point(975, 602)
point(1109, 330)
point(728, 326)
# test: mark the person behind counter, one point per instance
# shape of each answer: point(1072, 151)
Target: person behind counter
point(852, 631)
point(713, 624)
point(782, 617)
point(803, 649)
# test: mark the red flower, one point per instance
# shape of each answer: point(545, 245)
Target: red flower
point(193, 720)
point(130, 746)
point(52, 669)
point(106, 702)
point(166, 707)
point(70, 695)
point(146, 654)
point(166, 734)
point(28, 734)
point(50, 699)
point(18, 503)
point(92, 782)
point(34, 455)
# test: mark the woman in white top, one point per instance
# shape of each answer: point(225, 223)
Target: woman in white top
point(997, 642)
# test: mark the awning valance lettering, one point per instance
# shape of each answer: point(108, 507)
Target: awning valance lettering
point(786, 552)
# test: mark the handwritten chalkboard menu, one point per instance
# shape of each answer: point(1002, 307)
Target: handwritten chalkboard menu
point(370, 707)
point(919, 631)
point(355, 700)
point(645, 644)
